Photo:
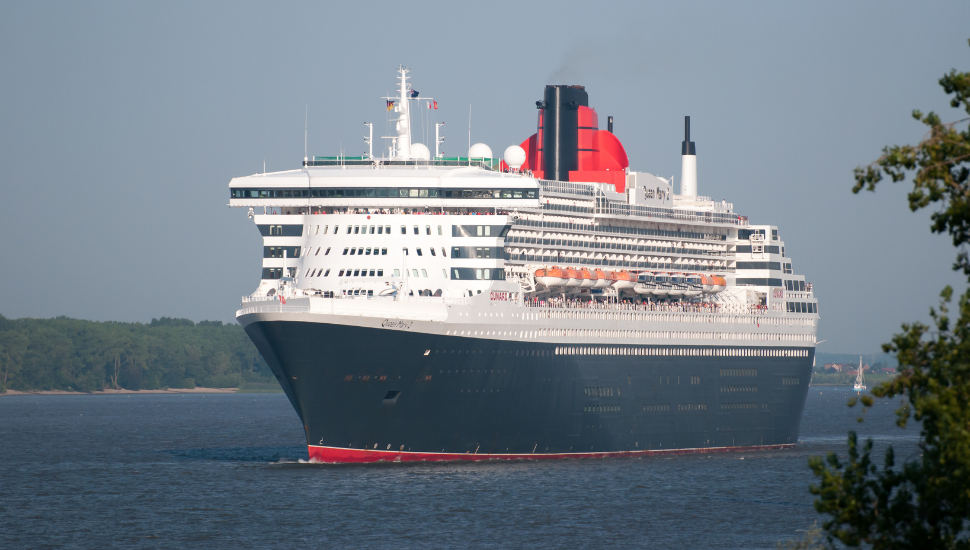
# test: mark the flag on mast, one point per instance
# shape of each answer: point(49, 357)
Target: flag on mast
point(390, 105)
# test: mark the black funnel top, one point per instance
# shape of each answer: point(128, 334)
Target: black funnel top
point(687, 147)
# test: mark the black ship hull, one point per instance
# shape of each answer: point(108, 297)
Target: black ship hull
point(367, 394)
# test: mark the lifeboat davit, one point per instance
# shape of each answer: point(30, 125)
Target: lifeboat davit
point(677, 287)
point(661, 284)
point(572, 276)
point(588, 279)
point(624, 280)
point(603, 279)
point(694, 285)
point(645, 284)
point(550, 278)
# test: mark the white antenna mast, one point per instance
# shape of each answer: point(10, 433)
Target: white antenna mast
point(306, 118)
point(469, 126)
point(369, 140)
point(438, 138)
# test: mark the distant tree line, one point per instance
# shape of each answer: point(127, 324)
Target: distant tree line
point(71, 354)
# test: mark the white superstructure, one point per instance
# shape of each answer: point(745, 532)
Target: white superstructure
point(462, 246)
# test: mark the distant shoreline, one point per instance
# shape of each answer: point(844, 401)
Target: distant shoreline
point(120, 392)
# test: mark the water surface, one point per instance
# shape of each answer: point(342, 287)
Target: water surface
point(161, 471)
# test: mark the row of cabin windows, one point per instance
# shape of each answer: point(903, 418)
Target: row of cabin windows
point(617, 230)
point(430, 249)
point(739, 372)
point(691, 407)
point(597, 391)
point(791, 381)
point(601, 408)
point(743, 406)
point(656, 407)
point(582, 241)
point(380, 273)
point(630, 350)
point(742, 388)
point(802, 307)
point(384, 192)
point(365, 251)
point(360, 272)
point(313, 272)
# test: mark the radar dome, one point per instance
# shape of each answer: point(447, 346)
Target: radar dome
point(479, 151)
point(514, 157)
point(420, 151)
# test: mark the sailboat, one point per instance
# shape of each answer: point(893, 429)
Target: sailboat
point(860, 380)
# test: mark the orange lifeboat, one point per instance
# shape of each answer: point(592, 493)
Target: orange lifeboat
point(719, 283)
point(572, 276)
point(624, 280)
point(586, 278)
point(707, 284)
point(603, 279)
point(550, 278)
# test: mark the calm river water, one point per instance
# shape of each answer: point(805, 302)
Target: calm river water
point(163, 471)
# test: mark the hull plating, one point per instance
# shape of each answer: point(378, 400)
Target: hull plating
point(367, 394)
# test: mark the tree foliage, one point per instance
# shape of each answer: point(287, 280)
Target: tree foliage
point(925, 501)
point(71, 354)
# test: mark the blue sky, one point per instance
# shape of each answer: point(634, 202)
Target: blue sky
point(122, 123)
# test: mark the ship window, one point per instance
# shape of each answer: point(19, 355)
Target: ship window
point(424, 273)
point(380, 272)
point(356, 273)
point(397, 273)
point(317, 232)
point(327, 252)
point(413, 193)
point(335, 228)
point(404, 230)
point(372, 230)
point(431, 250)
point(327, 227)
point(341, 274)
point(444, 273)
point(326, 273)
point(416, 230)
point(345, 251)
point(418, 250)
point(443, 253)
point(478, 273)
point(372, 273)
point(387, 229)
point(458, 277)
point(353, 251)
point(350, 229)
point(405, 251)
point(360, 251)
point(383, 252)
point(357, 229)
point(427, 229)
point(380, 229)
point(317, 253)
point(414, 272)
point(439, 230)
point(367, 252)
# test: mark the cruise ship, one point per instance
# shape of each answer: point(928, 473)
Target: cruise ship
point(548, 303)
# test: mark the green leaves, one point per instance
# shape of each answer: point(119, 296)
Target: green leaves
point(925, 503)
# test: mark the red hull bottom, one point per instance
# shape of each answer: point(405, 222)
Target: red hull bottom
point(337, 455)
